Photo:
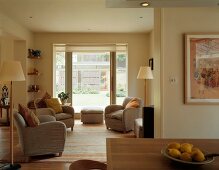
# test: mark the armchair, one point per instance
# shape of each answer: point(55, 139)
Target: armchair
point(120, 118)
point(46, 138)
point(67, 117)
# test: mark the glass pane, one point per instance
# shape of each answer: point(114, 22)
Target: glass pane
point(121, 77)
point(91, 79)
point(60, 72)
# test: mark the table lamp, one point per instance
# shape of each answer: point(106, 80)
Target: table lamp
point(145, 73)
point(11, 71)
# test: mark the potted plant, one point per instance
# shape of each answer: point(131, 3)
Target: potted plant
point(63, 97)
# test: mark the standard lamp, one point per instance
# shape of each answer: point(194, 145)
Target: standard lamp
point(145, 73)
point(11, 71)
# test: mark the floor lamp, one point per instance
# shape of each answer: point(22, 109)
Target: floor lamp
point(145, 73)
point(11, 71)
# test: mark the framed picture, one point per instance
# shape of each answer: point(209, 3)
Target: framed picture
point(202, 68)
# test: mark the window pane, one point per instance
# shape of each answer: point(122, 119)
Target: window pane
point(91, 79)
point(60, 72)
point(121, 77)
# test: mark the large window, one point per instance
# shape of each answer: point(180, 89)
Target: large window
point(93, 77)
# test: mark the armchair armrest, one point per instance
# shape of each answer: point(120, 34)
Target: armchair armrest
point(37, 140)
point(113, 108)
point(68, 109)
point(45, 111)
point(129, 115)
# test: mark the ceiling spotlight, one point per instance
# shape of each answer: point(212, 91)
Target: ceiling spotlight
point(144, 4)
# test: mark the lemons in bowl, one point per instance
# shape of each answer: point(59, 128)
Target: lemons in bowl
point(185, 152)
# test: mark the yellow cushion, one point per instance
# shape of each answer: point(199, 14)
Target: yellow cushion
point(134, 103)
point(54, 104)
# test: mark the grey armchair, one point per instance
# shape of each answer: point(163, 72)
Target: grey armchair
point(67, 117)
point(119, 118)
point(46, 138)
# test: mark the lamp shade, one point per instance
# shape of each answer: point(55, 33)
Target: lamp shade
point(145, 73)
point(11, 71)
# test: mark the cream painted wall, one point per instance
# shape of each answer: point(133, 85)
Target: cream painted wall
point(14, 41)
point(138, 51)
point(180, 120)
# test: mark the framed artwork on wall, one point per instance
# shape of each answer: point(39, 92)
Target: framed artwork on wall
point(202, 68)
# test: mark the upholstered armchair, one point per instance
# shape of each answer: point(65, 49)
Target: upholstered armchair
point(120, 117)
point(67, 117)
point(46, 138)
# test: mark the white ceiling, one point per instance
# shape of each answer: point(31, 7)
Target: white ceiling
point(76, 16)
point(161, 3)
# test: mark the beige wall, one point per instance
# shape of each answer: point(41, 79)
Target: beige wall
point(14, 42)
point(180, 120)
point(138, 51)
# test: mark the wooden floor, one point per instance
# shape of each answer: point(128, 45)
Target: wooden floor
point(59, 165)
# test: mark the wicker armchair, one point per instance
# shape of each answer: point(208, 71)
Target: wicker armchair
point(120, 118)
point(67, 117)
point(46, 138)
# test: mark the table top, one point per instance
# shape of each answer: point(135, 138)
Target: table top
point(141, 153)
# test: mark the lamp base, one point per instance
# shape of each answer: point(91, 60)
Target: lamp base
point(8, 166)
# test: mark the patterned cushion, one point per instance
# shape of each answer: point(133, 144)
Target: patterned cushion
point(29, 117)
point(134, 103)
point(42, 103)
point(54, 104)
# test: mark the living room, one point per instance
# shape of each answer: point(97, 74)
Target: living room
point(165, 43)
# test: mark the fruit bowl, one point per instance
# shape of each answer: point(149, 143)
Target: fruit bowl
point(208, 160)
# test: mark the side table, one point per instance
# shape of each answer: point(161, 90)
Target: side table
point(6, 107)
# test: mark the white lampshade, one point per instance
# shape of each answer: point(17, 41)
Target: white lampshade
point(145, 73)
point(11, 71)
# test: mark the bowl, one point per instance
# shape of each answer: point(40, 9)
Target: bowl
point(208, 160)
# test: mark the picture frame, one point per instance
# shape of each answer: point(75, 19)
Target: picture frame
point(201, 68)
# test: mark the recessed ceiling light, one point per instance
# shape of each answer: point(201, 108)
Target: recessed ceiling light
point(144, 4)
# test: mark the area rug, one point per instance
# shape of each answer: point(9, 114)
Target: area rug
point(86, 141)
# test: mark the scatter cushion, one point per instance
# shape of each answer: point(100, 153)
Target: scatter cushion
point(54, 104)
point(115, 115)
point(134, 103)
point(29, 117)
point(42, 103)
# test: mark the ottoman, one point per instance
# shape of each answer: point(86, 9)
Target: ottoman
point(92, 115)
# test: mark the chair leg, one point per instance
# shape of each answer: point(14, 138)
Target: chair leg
point(72, 128)
point(60, 154)
point(107, 127)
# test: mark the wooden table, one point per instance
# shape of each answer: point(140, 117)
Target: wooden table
point(140, 154)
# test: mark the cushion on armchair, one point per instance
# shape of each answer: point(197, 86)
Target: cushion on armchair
point(134, 103)
point(42, 103)
point(54, 104)
point(29, 117)
point(115, 115)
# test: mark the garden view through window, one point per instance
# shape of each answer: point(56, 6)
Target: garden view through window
point(91, 77)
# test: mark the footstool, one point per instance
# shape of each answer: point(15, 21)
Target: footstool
point(92, 115)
